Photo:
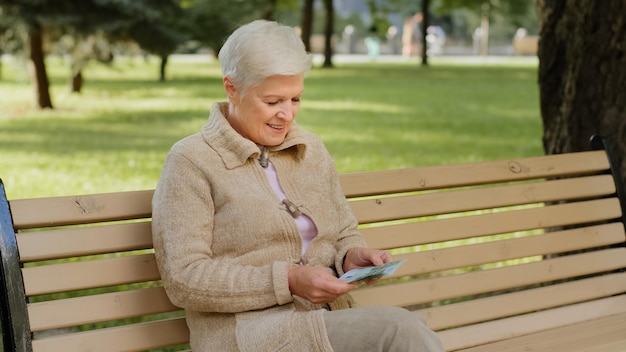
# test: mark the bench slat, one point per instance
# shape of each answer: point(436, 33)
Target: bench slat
point(83, 241)
point(72, 276)
point(449, 287)
point(510, 304)
point(75, 210)
point(425, 178)
point(68, 312)
point(393, 208)
point(441, 230)
point(468, 255)
point(473, 335)
point(599, 335)
point(136, 337)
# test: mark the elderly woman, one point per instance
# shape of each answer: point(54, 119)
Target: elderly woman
point(251, 227)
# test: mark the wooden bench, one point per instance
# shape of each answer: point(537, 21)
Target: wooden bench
point(512, 255)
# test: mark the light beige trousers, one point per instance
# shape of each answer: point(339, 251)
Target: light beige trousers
point(379, 329)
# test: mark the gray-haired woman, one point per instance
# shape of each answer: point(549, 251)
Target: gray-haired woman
point(251, 227)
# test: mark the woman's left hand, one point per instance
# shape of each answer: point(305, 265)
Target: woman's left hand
point(359, 257)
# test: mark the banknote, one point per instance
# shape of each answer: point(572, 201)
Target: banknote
point(371, 272)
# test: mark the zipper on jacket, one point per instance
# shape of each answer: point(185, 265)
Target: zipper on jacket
point(291, 208)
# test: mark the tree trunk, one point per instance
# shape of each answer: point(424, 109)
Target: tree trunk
point(582, 74)
point(484, 28)
point(76, 83)
point(328, 33)
point(425, 24)
point(162, 77)
point(307, 24)
point(37, 68)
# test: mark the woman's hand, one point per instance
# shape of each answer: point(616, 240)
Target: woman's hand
point(316, 284)
point(361, 257)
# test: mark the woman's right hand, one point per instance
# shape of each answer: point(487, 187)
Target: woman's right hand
point(316, 284)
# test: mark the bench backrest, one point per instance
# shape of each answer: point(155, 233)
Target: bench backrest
point(529, 243)
point(91, 288)
point(498, 249)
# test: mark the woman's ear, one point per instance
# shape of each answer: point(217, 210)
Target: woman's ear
point(231, 91)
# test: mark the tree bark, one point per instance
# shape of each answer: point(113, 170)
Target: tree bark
point(425, 24)
point(162, 67)
point(582, 74)
point(37, 68)
point(76, 83)
point(307, 24)
point(328, 33)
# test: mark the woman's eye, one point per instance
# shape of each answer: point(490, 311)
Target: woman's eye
point(295, 100)
point(271, 103)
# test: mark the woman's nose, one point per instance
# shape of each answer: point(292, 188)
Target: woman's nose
point(286, 112)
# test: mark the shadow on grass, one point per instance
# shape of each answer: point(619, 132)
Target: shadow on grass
point(187, 87)
point(137, 131)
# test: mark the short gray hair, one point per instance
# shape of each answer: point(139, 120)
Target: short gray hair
point(260, 49)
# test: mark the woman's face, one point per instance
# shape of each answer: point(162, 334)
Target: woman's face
point(266, 111)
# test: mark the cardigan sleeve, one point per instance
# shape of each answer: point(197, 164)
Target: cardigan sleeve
point(182, 232)
point(347, 225)
point(349, 237)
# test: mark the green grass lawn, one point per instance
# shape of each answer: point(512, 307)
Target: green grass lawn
point(114, 136)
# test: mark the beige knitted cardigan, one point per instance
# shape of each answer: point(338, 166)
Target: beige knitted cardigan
point(224, 241)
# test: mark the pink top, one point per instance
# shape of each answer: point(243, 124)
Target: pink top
point(305, 225)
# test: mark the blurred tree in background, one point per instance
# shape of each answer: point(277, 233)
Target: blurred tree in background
point(485, 19)
point(98, 30)
point(86, 28)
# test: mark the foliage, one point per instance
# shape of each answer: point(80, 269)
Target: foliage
point(210, 22)
point(116, 134)
point(458, 18)
point(505, 15)
point(513, 8)
point(10, 33)
point(379, 14)
point(407, 8)
point(146, 22)
point(156, 30)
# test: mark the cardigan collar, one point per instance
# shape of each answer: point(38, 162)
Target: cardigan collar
point(234, 149)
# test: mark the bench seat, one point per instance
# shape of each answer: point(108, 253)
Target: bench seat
point(598, 335)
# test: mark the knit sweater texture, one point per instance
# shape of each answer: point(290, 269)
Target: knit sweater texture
point(224, 240)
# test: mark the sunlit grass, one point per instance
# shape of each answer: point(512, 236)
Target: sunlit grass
point(114, 135)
